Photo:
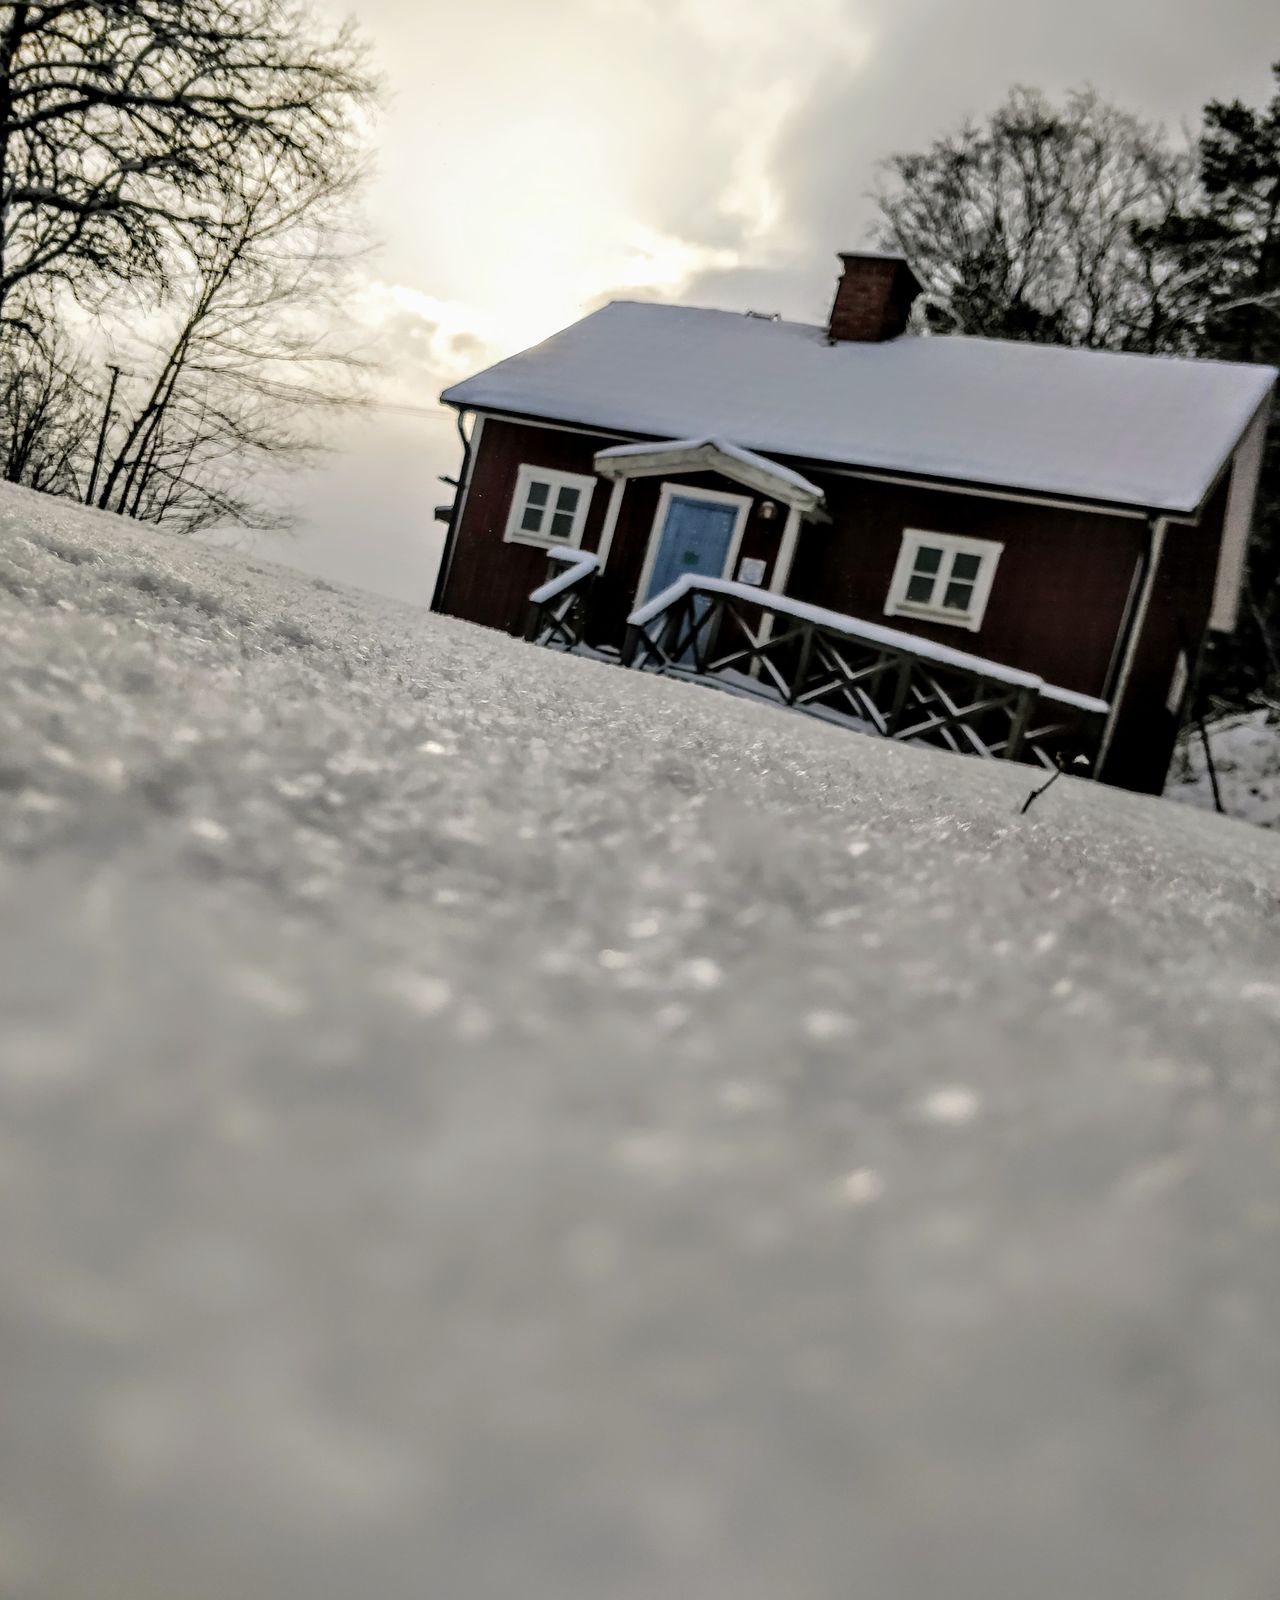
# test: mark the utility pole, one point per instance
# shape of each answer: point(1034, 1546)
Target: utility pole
point(102, 433)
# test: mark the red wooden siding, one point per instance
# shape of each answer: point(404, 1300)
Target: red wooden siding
point(1057, 606)
point(489, 580)
point(1060, 586)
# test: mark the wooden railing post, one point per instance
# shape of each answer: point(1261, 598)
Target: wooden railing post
point(901, 689)
point(706, 628)
point(558, 607)
point(669, 632)
point(802, 663)
point(1020, 722)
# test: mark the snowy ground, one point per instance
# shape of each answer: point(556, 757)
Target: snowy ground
point(478, 1123)
point(1246, 758)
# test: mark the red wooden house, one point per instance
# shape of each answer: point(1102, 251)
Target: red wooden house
point(1067, 519)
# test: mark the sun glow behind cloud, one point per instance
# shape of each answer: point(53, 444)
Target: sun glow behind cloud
point(604, 149)
point(416, 336)
point(561, 233)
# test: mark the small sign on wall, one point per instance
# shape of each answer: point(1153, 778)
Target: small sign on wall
point(751, 570)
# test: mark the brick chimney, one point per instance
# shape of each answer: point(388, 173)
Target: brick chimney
point(873, 298)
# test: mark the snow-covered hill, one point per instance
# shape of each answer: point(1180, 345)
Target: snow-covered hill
point(477, 1123)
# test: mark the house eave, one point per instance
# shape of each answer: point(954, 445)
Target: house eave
point(1140, 510)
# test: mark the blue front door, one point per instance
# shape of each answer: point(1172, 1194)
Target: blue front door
point(695, 538)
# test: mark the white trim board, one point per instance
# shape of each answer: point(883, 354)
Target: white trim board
point(1246, 469)
point(672, 491)
point(1096, 508)
point(461, 494)
point(1118, 645)
point(1135, 640)
point(518, 421)
point(784, 560)
point(611, 520)
point(747, 467)
point(1099, 508)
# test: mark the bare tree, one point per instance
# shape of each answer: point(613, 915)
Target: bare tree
point(119, 118)
point(46, 409)
point(248, 356)
point(1038, 224)
point(182, 167)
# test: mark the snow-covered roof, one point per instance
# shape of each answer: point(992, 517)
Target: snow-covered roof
point(685, 455)
point(1130, 430)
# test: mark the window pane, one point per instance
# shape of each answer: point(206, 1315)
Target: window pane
point(965, 567)
point(958, 596)
point(538, 493)
point(928, 559)
point(920, 589)
point(531, 522)
point(562, 525)
point(567, 500)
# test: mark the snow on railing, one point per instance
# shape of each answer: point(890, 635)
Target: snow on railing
point(557, 609)
point(894, 683)
point(1085, 703)
point(580, 564)
point(867, 632)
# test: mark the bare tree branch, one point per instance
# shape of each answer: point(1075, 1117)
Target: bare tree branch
point(118, 120)
point(1037, 225)
point(185, 168)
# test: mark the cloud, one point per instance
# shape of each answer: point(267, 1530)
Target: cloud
point(537, 158)
point(541, 156)
point(934, 63)
point(417, 343)
point(545, 157)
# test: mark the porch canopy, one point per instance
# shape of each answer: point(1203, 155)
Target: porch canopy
point(714, 455)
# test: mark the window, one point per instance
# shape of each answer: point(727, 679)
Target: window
point(943, 578)
point(548, 507)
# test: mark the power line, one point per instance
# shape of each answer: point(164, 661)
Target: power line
point(405, 409)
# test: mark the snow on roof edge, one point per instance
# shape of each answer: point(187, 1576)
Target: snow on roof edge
point(993, 481)
point(531, 385)
point(724, 447)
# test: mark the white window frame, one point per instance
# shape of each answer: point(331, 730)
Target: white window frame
point(951, 545)
point(530, 474)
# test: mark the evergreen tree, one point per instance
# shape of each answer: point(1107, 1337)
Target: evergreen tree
point(1228, 245)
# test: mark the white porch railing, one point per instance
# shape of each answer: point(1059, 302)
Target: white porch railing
point(885, 681)
point(557, 608)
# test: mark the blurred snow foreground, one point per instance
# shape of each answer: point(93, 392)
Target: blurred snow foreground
point(481, 1123)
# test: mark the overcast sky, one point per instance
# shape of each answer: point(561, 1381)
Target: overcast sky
point(535, 158)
